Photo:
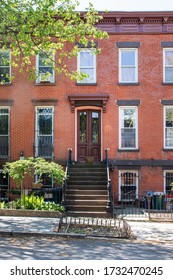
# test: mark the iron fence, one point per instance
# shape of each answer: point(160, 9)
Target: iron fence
point(151, 205)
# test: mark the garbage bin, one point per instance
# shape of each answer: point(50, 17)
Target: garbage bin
point(158, 200)
point(57, 194)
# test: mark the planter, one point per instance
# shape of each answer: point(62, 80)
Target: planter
point(30, 213)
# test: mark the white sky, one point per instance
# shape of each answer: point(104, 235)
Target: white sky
point(128, 5)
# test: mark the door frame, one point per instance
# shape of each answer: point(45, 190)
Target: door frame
point(76, 127)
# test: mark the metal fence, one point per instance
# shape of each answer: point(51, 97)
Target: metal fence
point(94, 226)
point(152, 205)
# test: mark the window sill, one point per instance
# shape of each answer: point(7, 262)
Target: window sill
point(86, 84)
point(128, 84)
point(168, 150)
point(128, 150)
point(167, 84)
point(45, 84)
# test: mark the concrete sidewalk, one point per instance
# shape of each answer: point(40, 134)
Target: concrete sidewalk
point(34, 226)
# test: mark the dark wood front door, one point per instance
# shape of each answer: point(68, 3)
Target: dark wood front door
point(89, 135)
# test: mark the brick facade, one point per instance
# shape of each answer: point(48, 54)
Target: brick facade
point(148, 95)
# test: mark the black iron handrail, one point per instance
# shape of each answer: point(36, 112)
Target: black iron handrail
point(109, 185)
point(66, 177)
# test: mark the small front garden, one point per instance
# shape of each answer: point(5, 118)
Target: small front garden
point(32, 202)
point(36, 168)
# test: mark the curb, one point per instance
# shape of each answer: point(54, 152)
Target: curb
point(60, 235)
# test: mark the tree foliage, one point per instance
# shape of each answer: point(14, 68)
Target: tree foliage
point(31, 26)
point(17, 170)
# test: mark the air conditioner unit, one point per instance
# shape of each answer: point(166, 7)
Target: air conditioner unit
point(45, 77)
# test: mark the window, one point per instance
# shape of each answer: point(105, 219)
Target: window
point(168, 65)
point(168, 127)
point(45, 72)
point(128, 128)
point(4, 186)
point(128, 185)
point(128, 66)
point(44, 142)
point(4, 66)
point(87, 65)
point(4, 132)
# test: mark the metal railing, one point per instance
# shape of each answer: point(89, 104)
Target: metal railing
point(109, 185)
point(69, 160)
point(150, 205)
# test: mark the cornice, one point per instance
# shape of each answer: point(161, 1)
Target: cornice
point(136, 22)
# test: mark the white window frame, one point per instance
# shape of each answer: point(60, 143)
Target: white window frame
point(41, 78)
point(135, 66)
point(84, 81)
point(164, 65)
point(37, 129)
point(121, 118)
point(5, 66)
point(120, 184)
point(164, 125)
point(8, 108)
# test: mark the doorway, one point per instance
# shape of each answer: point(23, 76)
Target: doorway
point(88, 134)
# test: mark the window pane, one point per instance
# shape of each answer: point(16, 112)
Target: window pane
point(127, 74)
point(45, 124)
point(86, 59)
point(3, 124)
point(90, 73)
point(169, 117)
point(128, 58)
point(169, 137)
point(128, 138)
point(4, 58)
point(128, 185)
point(169, 74)
point(82, 127)
point(169, 58)
point(129, 118)
point(4, 74)
point(95, 127)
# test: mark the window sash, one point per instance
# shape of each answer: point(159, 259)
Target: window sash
point(128, 126)
point(44, 141)
point(168, 65)
point(128, 72)
point(5, 66)
point(4, 132)
point(44, 68)
point(89, 67)
point(168, 127)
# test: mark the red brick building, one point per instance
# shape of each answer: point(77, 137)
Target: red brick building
point(125, 105)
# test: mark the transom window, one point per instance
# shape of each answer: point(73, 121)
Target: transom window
point(168, 127)
point(87, 65)
point(128, 65)
point(45, 72)
point(128, 128)
point(168, 65)
point(128, 185)
point(4, 66)
point(44, 141)
point(4, 132)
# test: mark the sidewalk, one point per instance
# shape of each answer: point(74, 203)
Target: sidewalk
point(27, 226)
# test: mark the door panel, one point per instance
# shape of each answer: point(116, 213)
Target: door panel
point(89, 135)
